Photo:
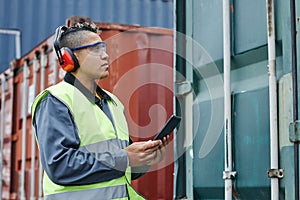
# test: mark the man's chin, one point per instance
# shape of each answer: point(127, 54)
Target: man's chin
point(103, 76)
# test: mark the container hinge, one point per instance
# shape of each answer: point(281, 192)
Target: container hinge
point(295, 131)
point(229, 174)
point(183, 88)
point(275, 173)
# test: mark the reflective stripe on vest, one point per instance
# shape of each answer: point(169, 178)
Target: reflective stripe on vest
point(113, 192)
point(96, 133)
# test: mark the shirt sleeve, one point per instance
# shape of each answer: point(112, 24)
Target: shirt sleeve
point(59, 144)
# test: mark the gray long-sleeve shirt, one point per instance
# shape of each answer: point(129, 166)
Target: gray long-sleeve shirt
point(59, 143)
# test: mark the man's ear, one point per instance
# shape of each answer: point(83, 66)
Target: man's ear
point(77, 55)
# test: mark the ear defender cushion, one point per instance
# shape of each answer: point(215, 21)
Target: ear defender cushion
point(70, 62)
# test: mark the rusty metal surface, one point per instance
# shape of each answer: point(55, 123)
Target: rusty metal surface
point(8, 101)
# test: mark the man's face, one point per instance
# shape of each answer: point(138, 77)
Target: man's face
point(93, 60)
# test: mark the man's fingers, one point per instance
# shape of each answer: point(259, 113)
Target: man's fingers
point(152, 145)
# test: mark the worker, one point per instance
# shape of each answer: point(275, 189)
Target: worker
point(81, 130)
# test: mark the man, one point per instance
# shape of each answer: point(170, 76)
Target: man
point(81, 130)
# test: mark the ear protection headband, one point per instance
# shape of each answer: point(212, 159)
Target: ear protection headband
point(66, 58)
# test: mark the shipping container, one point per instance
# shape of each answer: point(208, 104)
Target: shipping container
point(141, 75)
point(240, 59)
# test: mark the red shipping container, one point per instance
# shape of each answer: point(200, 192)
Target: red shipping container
point(6, 130)
point(141, 75)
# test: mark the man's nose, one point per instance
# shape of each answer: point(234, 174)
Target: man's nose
point(104, 56)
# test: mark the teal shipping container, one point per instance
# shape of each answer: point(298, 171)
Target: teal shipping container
point(237, 60)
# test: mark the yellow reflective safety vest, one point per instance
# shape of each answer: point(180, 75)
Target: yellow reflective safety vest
point(102, 136)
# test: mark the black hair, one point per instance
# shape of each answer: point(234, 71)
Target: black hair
point(77, 34)
point(81, 26)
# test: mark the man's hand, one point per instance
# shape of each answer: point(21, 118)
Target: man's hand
point(146, 153)
point(141, 153)
point(160, 153)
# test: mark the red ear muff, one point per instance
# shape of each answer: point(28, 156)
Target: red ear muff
point(66, 58)
point(69, 61)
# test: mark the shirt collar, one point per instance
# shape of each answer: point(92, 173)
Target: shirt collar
point(71, 79)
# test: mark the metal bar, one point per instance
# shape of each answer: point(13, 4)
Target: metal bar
point(24, 129)
point(33, 143)
point(184, 93)
point(272, 98)
point(17, 33)
point(18, 45)
point(227, 100)
point(295, 93)
point(180, 66)
point(9, 31)
point(42, 87)
point(187, 112)
point(3, 82)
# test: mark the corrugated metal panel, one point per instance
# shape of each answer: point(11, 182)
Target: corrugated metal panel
point(251, 144)
point(207, 26)
point(248, 30)
point(6, 130)
point(38, 18)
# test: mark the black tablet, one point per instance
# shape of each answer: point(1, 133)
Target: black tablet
point(171, 124)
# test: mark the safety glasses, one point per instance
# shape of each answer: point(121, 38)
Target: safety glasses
point(95, 49)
